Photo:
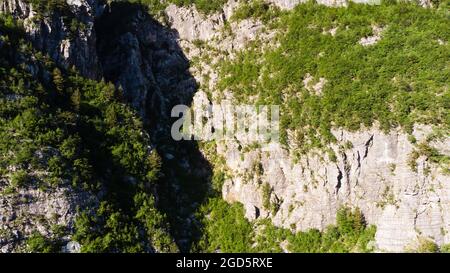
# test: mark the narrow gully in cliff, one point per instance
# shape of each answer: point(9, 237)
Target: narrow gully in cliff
point(143, 58)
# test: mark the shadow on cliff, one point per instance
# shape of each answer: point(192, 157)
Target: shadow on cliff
point(143, 58)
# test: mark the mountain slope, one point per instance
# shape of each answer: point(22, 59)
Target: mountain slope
point(364, 95)
point(69, 144)
point(363, 160)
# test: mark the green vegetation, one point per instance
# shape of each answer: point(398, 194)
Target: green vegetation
point(45, 7)
point(445, 248)
point(427, 246)
point(350, 234)
point(256, 9)
point(266, 192)
point(37, 243)
point(48, 8)
point(227, 230)
point(204, 6)
point(19, 179)
point(59, 128)
point(432, 154)
point(399, 81)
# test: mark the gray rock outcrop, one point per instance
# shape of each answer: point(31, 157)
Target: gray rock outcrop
point(373, 175)
point(32, 210)
point(68, 36)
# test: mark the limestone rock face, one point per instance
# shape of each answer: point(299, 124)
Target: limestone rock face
point(191, 25)
point(141, 57)
point(68, 39)
point(135, 52)
point(119, 43)
point(374, 172)
point(71, 247)
point(30, 210)
point(373, 175)
point(405, 200)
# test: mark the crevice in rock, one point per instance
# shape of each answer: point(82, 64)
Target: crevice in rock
point(347, 169)
point(367, 145)
point(339, 181)
point(358, 158)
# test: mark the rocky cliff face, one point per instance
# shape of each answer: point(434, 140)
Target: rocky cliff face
point(406, 200)
point(33, 210)
point(135, 52)
point(119, 43)
point(141, 56)
point(290, 4)
point(144, 58)
point(373, 175)
point(52, 212)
